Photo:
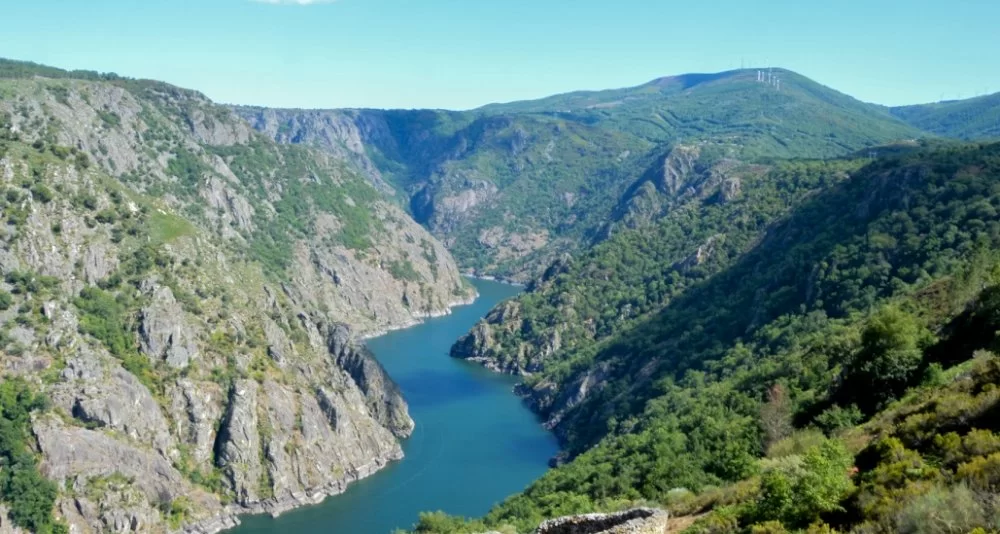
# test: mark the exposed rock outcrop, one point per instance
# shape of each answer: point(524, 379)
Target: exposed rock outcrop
point(635, 521)
point(163, 330)
point(96, 390)
point(174, 276)
point(78, 457)
point(239, 443)
point(384, 400)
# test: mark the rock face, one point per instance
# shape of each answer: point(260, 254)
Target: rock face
point(239, 443)
point(98, 391)
point(635, 521)
point(163, 333)
point(190, 295)
point(468, 176)
point(342, 133)
point(381, 393)
point(80, 458)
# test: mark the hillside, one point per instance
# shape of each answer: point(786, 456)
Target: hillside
point(725, 341)
point(180, 302)
point(509, 188)
point(972, 118)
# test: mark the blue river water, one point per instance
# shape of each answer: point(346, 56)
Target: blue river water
point(475, 443)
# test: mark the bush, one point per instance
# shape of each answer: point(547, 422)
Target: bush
point(891, 352)
point(28, 495)
point(799, 496)
point(106, 216)
point(6, 300)
point(954, 510)
point(41, 193)
point(982, 473)
point(799, 442)
point(105, 318)
point(770, 527)
point(837, 418)
point(723, 520)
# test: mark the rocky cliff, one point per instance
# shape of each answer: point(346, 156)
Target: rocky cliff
point(189, 294)
point(474, 181)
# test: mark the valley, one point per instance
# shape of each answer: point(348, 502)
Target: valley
point(746, 302)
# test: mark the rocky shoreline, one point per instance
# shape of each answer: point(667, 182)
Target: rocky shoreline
point(275, 507)
point(420, 317)
point(491, 278)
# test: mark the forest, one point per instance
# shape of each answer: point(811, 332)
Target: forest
point(837, 375)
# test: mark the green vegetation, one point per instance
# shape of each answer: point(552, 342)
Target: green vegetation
point(868, 288)
point(403, 270)
point(27, 283)
point(27, 494)
point(561, 165)
point(11, 69)
point(104, 317)
point(165, 227)
point(309, 192)
point(108, 318)
point(109, 118)
point(188, 168)
point(973, 118)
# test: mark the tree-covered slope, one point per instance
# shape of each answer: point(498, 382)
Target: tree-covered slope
point(972, 118)
point(179, 297)
point(848, 283)
point(510, 187)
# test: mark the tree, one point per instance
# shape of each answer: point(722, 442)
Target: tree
point(776, 415)
point(799, 496)
point(891, 352)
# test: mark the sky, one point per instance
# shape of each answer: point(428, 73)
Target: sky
point(461, 54)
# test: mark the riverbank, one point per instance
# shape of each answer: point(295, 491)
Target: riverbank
point(420, 317)
point(491, 278)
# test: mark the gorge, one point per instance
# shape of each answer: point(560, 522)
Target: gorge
point(474, 442)
point(742, 303)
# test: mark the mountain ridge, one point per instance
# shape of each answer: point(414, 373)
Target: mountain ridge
point(528, 181)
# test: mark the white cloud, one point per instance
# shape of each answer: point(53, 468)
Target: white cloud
point(295, 2)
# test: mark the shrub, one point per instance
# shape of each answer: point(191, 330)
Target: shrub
point(799, 496)
point(28, 495)
point(980, 443)
point(837, 418)
point(106, 216)
point(954, 510)
point(982, 473)
point(41, 193)
point(891, 352)
point(105, 318)
point(770, 527)
point(723, 520)
point(799, 442)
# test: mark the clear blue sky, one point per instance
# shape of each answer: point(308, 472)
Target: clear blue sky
point(460, 54)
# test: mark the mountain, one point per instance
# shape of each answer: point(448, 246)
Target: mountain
point(833, 313)
point(973, 118)
point(180, 302)
point(509, 188)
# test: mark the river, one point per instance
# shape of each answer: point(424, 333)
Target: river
point(475, 442)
